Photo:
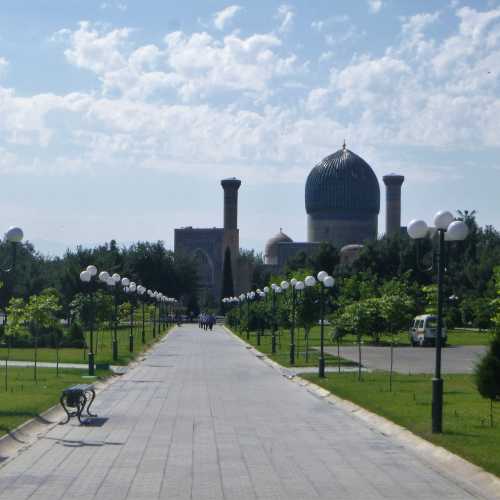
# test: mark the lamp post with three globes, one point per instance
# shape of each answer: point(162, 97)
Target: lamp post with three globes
point(86, 277)
point(448, 229)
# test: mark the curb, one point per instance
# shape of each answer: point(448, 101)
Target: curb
point(23, 436)
point(471, 477)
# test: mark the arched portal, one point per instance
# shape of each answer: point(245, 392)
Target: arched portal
point(205, 268)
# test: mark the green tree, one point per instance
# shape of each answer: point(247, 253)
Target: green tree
point(487, 374)
point(16, 325)
point(430, 293)
point(41, 312)
point(327, 258)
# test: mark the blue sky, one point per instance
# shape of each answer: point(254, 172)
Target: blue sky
point(118, 118)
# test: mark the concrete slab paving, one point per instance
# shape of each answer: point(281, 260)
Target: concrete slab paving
point(202, 418)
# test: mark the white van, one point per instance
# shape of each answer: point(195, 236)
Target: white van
point(423, 331)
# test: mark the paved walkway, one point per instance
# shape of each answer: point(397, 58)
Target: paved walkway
point(457, 359)
point(202, 418)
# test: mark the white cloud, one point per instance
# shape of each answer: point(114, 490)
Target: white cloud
point(375, 6)
point(326, 56)
point(97, 52)
point(318, 25)
point(4, 64)
point(222, 17)
point(117, 5)
point(424, 91)
point(286, 16)
point(317, 99)
point(244, 64)
point(193, 66)
point(414, 35)
point(155, 110)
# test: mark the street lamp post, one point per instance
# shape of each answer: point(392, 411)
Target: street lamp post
point(113, 282)
point(151, 297)
point(14, 236)
point(276, 289)
point(448, 230)
point(309, 282)
point(248, 314)
point(126, 289)
point(132, 290)
point(140, 291)
point(240, 303)
point(86, 277)
point(157, 319)
point(297, 286)
point(326, 282)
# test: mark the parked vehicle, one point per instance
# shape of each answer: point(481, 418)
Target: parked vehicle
point(423, 331)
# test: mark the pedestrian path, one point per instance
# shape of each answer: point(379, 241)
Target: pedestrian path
point(202, 418)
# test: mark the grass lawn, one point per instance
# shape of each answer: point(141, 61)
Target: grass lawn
point(465, 420)
point(455, 337)
point(102, 343)
point(304, 357)
point(26, 399)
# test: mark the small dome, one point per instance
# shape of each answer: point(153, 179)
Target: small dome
point(349, 253)
point(271, 252)
point(342, 182)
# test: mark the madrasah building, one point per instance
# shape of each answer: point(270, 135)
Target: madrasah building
point(342, 202)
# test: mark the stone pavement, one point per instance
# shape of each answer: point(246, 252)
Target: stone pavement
point(456, 359)
point(202, 418)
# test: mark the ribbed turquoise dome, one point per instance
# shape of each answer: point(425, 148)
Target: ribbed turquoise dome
point(342, 182)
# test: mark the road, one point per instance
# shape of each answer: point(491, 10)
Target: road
point(203, 418)
point(459, 359)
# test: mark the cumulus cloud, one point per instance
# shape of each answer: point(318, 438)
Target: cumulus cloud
point(286, 16)
point(4, 64)
point(192, 66)
point(375, 6)
point(424, 91)
point(222, 17)
point(117, 5)
point(154, 108)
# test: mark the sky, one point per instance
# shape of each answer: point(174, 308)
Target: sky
point(118, 118)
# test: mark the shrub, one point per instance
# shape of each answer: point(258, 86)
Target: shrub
point(488, 374)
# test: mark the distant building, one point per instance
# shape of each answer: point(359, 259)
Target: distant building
point(208, 246)
point(342, 202)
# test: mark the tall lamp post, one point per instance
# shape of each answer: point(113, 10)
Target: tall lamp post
point(276, 290)
point(156, 302)
point(448, 229)
point(86, 277)
point(132, 290)
point(242, 298)
point(309, 282)
point(151, 298)
point(14, 236)
point(116, 278)
point(326, 282)
point(140, 292)
point(249, 297)
point(297, 286)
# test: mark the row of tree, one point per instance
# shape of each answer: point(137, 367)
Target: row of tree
point(149, 263)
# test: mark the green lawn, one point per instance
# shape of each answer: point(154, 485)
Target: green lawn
point(304, 356)
point(102, 343)
point(466, 415)
point(26, 399)
point(455, 337)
